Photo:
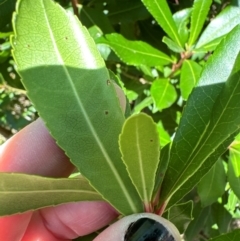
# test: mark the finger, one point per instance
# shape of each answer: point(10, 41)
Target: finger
point(72, 220)
point(12, 228)
point(34, 151)
point(152, 228)
point(35, 146)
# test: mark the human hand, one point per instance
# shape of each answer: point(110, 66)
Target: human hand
point(34, 151)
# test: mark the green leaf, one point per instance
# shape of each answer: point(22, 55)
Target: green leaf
point(161, 12)
point(140, 148)
point(22, 192)
point(164, 137)
point(212, 185)
point(68, 83)
point(199, 14)
point(163, 93)
point(234, 155)
point(135, 52)
point(181, 19)
point(216, 98)
point(201, 172)
point(161, 170)
point(189, 77)
point(233, 236)
point(201, 215)
point(172, 45)
point(143, 104)
point(221, 217)
point(180, 215)
point(126, 11)
point(219, 26)
point(234, 181)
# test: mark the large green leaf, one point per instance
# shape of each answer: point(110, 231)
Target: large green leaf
point(161, 12)
point(212, 185)
point(189, 76)
point(135, 52)
point(219, 26)
point(22, 192)
point(140, 148)
point(68, 83)
point(163, 93)
point(199, 14)
point(201, 172)
point(233, 236)
point(209, 118)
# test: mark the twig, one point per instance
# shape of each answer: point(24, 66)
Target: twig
point(74, 5)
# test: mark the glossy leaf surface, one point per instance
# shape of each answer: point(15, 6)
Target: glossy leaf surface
point(189, 77)
point(219, 26)
point(161, 12)
point(216, 98)
point(135, 52)
point(22, 192)
point(212, 185)
point(67, 81)
point(181, 19)
point(163, 93)
point(140, 148)
point(199, 14)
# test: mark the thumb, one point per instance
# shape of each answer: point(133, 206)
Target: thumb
point(140, 227)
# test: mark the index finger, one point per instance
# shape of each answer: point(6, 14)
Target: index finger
point(34, 151)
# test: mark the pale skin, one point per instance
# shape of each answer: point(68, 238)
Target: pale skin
point(33, 151)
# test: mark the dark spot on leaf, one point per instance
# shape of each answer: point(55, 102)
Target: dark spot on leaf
point(28, 46)
point(106, 112)
point(66, 38)
point(151, 140)
point(108, 82)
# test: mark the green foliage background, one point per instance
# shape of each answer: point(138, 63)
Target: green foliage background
point(158, 54)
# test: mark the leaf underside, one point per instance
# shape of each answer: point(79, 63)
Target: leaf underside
point(22, 192)
point(68, 83)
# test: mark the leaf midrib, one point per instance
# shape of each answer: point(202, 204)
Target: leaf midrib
point(139, 153)
point(140, 52)
point(88, 121)
point(169, 25)
point(50, 191)
point(197, 23)
point(199, 150)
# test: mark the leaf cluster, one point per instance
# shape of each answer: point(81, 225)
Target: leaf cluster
point(177, 62)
